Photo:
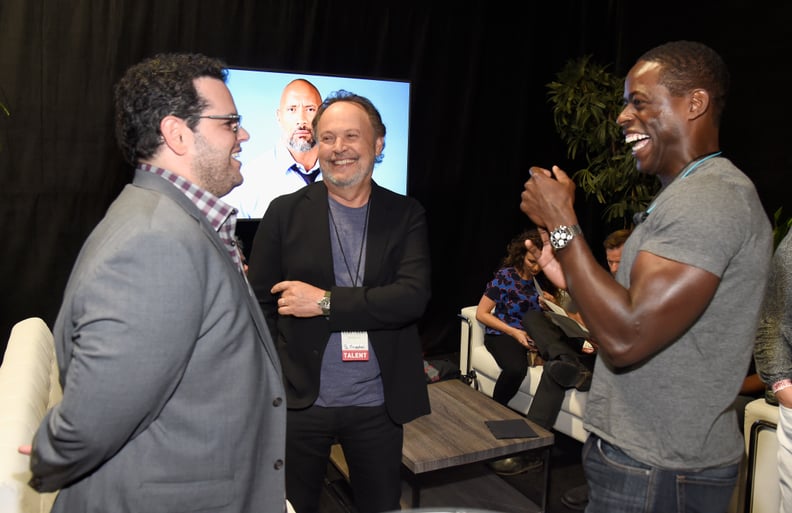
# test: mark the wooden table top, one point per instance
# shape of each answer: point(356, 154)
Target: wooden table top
point(455, 434)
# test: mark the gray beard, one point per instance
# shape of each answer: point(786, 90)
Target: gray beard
point(300, 145)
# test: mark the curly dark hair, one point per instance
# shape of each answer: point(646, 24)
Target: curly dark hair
point(157, 87)
point(373, 114)
point(688, 65)
point(515, 256)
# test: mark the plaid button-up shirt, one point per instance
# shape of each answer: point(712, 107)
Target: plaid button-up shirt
point(220, 214)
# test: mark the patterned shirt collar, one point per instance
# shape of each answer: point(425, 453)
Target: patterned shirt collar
point(221, 215)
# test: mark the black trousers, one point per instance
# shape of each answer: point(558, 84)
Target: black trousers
point(512, 358)
point(372, 445)
point(552, 344)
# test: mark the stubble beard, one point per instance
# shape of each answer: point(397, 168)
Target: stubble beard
point(215, 170)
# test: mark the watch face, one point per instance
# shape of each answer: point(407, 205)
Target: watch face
point(560, 237)
point(324, 304)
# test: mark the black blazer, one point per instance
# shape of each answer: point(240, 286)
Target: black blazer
point(292, 242)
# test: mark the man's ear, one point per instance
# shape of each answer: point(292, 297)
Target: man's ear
point(699, 103)
point(378, 145)
point(174, 134)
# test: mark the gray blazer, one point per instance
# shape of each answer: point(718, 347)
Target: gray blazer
point(173, 397)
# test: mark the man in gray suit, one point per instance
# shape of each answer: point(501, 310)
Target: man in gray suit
point(173, 397)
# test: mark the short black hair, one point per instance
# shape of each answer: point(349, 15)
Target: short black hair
point(687, 65)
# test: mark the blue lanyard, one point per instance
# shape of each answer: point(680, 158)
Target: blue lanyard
point(686, 172)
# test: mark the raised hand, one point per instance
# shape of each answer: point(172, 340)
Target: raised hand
point(548, 198)
point(546, 259)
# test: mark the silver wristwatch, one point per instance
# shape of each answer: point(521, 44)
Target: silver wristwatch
point(324, 304)
point(563, 235)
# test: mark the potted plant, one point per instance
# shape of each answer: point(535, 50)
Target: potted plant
point(586, 99)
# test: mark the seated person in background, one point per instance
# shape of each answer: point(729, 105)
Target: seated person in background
point(508, 296)
point(567, 363)
point(614, 243)
point(569, 357)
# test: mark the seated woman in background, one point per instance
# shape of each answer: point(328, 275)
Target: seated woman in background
point(507, 297)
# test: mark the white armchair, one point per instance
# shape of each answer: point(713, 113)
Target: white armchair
point(474, 356)
point(762, 489)
point(29, 386)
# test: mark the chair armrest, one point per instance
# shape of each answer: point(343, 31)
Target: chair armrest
point(29, 386)
point(471, 336)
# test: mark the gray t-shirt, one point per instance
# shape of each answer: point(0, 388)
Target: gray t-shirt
point(673, 410)
point(352, 383)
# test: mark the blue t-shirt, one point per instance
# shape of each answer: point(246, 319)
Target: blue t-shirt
point(513, 297)
point(341, 383)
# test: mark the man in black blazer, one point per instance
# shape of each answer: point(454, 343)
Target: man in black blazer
point(341, 271)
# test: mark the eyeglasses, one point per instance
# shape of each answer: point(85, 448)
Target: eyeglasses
point(234, 120)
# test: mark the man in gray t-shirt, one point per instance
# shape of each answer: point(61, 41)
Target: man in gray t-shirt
point(698, 221)
point(676, 327)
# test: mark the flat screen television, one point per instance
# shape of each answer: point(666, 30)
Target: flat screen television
point(257, 95)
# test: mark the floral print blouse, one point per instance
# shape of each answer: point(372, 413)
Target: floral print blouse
point(513, 297)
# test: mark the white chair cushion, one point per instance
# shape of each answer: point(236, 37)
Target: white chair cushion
point(28, 387)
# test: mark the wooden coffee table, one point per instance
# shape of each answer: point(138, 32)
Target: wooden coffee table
point(455, 435)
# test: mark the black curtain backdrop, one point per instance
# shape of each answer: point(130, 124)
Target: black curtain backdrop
point(479, 115)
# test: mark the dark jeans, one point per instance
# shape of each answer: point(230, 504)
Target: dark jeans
point(512, 358)
point(552, 344)
point(620, 484)
point(372, 445)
